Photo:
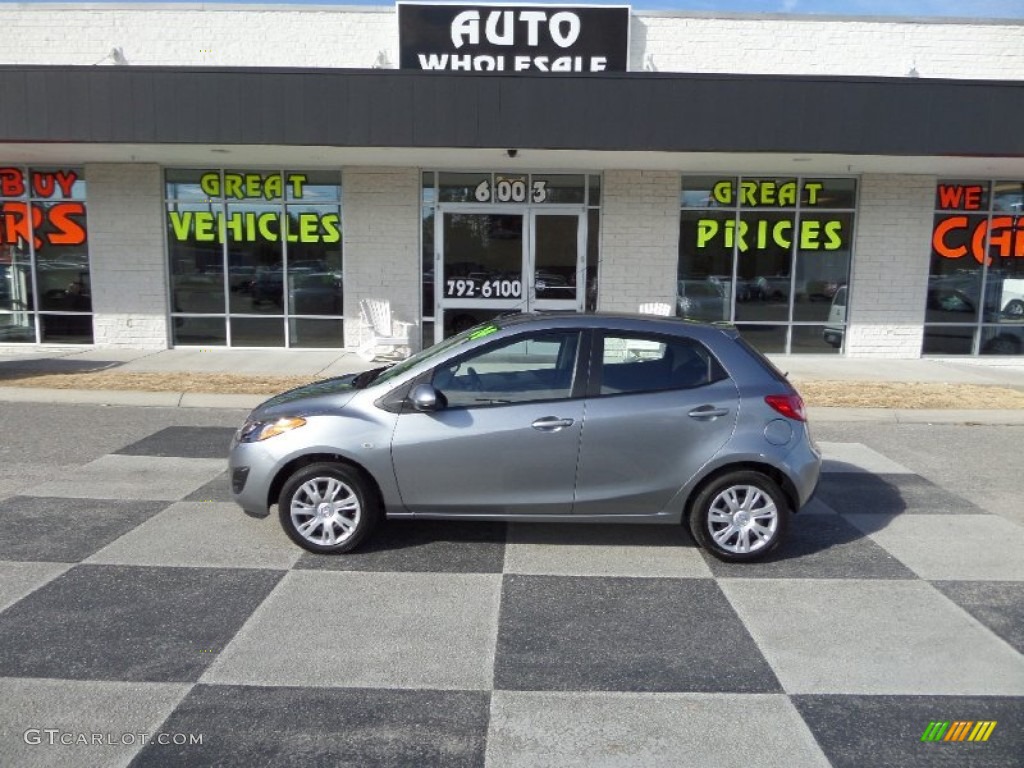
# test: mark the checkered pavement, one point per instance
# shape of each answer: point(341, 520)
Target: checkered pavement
point(135, 598)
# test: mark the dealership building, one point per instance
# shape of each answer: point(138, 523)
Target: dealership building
point(249, 175)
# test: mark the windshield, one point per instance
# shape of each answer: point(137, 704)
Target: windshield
point(471, 334)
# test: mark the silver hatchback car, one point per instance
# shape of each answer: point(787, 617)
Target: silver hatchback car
point(557, 417)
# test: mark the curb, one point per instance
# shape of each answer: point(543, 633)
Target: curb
point(820, 415)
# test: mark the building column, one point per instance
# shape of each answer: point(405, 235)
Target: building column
point(127, 255)
point(889, 281)
point(639, 239)
point(381, 221)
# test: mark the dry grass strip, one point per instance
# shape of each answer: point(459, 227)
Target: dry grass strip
point(853, 394)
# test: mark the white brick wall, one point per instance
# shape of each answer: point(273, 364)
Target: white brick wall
point(890, 266)
point(639, 239)
point(126, 251)
point(326, 36)
point(810, 46)
point(381, 220)
point(194, 35)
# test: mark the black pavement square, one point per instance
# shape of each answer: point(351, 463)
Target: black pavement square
point(999, 605)
point(360, 728)
point(218, 489)
point(436, 546)
point(819, 547)
point(184, 442)
point(66, 530)
point(624, 634)
point(856, 731)
point(101, 622)
point(861, 493)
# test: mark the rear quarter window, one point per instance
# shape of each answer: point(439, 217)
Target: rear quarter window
point(635, 363)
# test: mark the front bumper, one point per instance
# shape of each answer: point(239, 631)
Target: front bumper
point(252, 469)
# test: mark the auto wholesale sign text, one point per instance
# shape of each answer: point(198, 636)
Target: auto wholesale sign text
point(524, 39)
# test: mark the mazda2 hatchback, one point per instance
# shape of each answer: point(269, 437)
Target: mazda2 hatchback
point(558, 417)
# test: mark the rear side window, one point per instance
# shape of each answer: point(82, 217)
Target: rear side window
point(637, 363)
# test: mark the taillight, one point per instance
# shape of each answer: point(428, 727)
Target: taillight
point(790, 406)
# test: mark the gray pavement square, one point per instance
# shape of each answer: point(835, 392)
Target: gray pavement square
point(872, 637)
point(438, 546)
point(532, 729)
point(227, 539)
point(43, 722)
point(368, 630)
point(284, 726)
point(945, 547)
point(624, 634)
point(819, 546)
point(98, 622)
point(999, 605)
point(133, 477)
point(218, 489)
point(857, 458)
point(855, 731)
point(890, 494)
point(184, 442)
point(66, 530)
point(603, 550)
point(19, 579)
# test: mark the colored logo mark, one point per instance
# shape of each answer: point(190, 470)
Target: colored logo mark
point(958, 730)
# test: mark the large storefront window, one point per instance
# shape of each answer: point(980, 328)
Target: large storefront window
point(255, 258)
point(771, 255)
point(45, 287)
point(495, 243)
point(975, 302)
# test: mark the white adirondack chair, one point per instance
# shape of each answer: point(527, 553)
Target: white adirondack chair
point(381, 335)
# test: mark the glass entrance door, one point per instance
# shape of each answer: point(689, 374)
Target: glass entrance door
point(493, 261)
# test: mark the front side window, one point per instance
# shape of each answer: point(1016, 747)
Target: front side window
point(975, 298)
point(255, 257)
point(631, 364)
point(767, 253)
point(45, 286)
point(521, 370)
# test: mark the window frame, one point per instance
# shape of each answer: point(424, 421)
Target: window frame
point(596, 378)
point(580, 367)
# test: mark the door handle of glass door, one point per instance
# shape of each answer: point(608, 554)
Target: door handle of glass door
point(551, 424)
point(707, 412)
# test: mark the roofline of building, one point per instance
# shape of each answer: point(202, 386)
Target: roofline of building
point(635, 12)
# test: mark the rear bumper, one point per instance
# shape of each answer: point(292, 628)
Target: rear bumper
point(804, 469)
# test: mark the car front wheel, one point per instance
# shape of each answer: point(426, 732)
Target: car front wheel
point(740, 516)
point(328, 508)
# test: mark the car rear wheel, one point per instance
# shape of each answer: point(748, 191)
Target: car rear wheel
point(740, 516)
point(328, 508)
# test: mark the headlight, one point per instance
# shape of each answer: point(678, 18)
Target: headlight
point(255, 431)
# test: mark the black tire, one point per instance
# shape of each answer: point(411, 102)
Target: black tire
point(709, 516)
point(312, 487)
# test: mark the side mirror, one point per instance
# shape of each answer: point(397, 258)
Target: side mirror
point(424, 397)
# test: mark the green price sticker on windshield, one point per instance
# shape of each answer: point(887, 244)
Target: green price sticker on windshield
point(487, 330)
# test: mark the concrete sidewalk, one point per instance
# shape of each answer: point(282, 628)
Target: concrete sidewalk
point(1003, 372)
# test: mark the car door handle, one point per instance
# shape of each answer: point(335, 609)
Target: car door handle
point(551, 424)
point(707, 412)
